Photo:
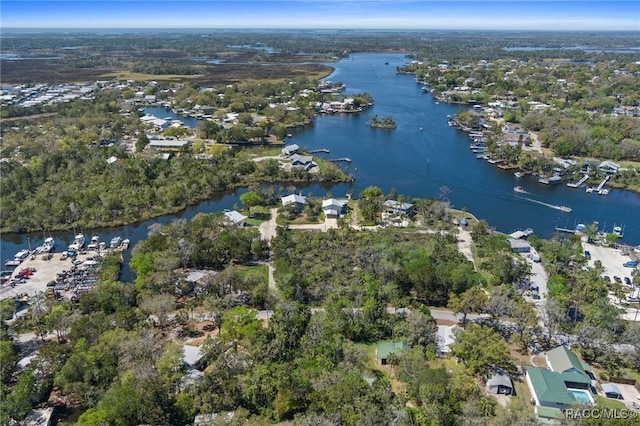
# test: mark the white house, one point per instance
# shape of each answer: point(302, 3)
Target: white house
point(333, 208)
point(608, 167)
point(235, 218)
point(298, 201)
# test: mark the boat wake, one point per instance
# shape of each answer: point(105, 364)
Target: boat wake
point(553, 206)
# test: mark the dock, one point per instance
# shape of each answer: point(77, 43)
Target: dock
point(601, 185)
point(567, 230)
point(337, 160)
point(580, 182)
point(314, 151)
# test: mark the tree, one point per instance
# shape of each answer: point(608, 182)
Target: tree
point(482, 350)
point(472, 300)
point(142, 141)
point(370, 204)
point(250, 199)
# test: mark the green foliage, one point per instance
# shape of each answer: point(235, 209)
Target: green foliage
point(482, 350)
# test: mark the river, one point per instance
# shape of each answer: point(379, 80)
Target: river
point(417, 159)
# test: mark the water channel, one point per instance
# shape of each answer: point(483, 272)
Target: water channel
point(417, 159)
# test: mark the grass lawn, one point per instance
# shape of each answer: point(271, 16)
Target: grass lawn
point(260, 271)
point(609, 403)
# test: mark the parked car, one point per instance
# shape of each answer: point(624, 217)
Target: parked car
point(617, 279)
point(587, 254)
point(606, 279)
point(627, 280)
point(630, 264)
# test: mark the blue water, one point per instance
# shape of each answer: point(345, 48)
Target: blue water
point(581, 396)
point(167, 113)
point(417, 163)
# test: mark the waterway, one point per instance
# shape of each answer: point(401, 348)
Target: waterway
point(420, 157)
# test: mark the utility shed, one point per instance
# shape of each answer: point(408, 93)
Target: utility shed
point(500, 384)
point(611, 391)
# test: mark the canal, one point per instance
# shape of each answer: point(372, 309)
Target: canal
point(419, 158)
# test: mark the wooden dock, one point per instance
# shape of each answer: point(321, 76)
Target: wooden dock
point(337, 160)
point(325, 150)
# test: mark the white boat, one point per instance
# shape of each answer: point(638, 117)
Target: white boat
point(518, 174)
point(604, 191)
point(95, 243)
point(519, 189)
point(125, 244)
point(115, 242)
point(21, 255)
point(48, 245)
point(78, 242)
point(563, 208)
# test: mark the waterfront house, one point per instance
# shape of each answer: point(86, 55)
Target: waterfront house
point(234, 218)
point(397, 208)
point(500, 384)
point(608, 167)
point(290, 149)
point(296, 201)
point(333, 208)
point(302, 161)
point(385, 349)
point(564, 362)
point(519, 246)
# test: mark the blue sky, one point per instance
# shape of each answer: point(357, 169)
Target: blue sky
point(354, 14)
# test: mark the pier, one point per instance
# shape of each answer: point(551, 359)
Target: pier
point(580, 182)
point(314, 151)
point(567, 230)
point(337, 160)
point(599, 188)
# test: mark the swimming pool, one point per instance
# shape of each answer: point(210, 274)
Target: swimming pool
point(582, 396)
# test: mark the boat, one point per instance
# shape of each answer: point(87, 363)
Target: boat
point(544, 181)
point(563, 208)
point(618, 231)
point(18, 258)
point(78, 242)
point(518, 174)
point(604, 191)
point(125, 244)
point(589, 190)
point(519, 189)
point(48, 245)
point(115, 242)
point(95, 243)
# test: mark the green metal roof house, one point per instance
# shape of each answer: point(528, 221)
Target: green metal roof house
point(567, 364)
point(384, 349)
point(548, 389)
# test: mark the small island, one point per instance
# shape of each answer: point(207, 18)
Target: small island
point(382, 122)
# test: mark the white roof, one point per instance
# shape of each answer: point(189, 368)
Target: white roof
point(234, 217)
point(192, 354)
point(333, 202)
point(293, 198)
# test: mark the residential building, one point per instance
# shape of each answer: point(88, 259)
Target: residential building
point(235, 218)
point(290, 149)
point(333, 208)
point(609, 167)
point(295, 200)
point(500, 384)
point(397, 208)
point(561, 360)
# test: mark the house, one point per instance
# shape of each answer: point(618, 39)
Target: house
point(397, 208)
point(548, 389)
point(608, 167)
point(168, 144)
point(333, 208)
point(290, 149)
point(444, 338)
point(234, 218)
point(500, 384)
point(385, 349)
point(519, 246)
point(295, 200)
point(561, 360)
point(611, 390)
point(303, 161)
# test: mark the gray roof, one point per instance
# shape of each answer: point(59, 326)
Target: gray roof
point(561, 359)
point(302, 159)
point(500, 379)
point(611, 388)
